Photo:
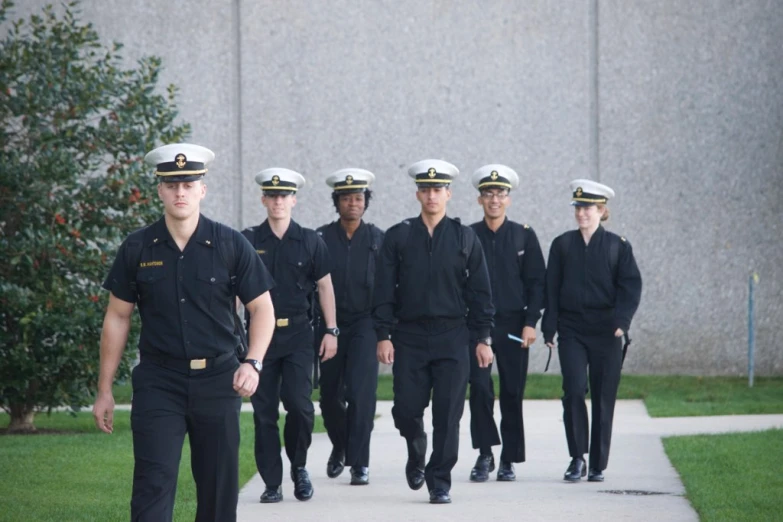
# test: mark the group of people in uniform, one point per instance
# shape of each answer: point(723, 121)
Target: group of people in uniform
point(438, 300)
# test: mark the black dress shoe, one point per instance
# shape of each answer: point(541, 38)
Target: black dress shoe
point(576, 470)
point(506, 472)
point(272, 495)
point(595, 475)
point(360, 476)
point(485, 463)
point(336, 463)
point(414, 468)
point(414, 474)
point(439, 496)
point(303, 488)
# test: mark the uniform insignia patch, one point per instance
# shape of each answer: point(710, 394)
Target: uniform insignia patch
point(147, 264)
point(275, 180)
point(431, 173)
point(494, 175)
point(578, 192)
point(180, 160)
point(348, 179)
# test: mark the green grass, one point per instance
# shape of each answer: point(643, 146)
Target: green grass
point(733, 477)
point(664, 395)
point(86, 474)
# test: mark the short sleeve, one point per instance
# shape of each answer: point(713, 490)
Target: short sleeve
point(321, 260)
point(121, 279)
point(253, 278)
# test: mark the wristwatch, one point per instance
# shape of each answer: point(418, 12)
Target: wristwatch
point(255, 363)
point(333, 331)
point(486, 340)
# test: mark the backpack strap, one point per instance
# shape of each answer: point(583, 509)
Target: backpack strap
point(227, 252)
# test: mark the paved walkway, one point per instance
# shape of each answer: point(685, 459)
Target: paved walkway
point(637, 463)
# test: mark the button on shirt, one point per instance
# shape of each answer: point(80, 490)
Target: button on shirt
point(516, 270)
point(297, 261)
point(353, 268)
point(184, 297)
point(584, 292)
point(423, 278)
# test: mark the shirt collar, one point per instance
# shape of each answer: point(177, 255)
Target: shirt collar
point(294, 231)
point(202, 235)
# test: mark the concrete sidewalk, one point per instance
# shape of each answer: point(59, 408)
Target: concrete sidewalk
point(637, 464)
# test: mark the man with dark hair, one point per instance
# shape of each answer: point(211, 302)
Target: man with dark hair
point(517, 272)
point(432, 295)
point(350, 379)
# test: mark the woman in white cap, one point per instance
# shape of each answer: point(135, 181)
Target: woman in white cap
point(593, 288)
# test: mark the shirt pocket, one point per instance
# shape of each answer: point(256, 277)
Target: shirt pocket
point(151, 287)
point(214, 290)
point(299, 268)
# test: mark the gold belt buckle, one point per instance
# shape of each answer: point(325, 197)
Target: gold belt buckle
point(282, 323)
point(198, 364)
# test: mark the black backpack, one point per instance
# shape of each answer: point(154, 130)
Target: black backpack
point(465, 244)
point(225, 248)
point(614, 263)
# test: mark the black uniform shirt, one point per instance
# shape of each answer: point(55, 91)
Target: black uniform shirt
point(517, 271)
point(353, 268)
point(421, 278)
point(184, 297)
point(297, 262)
point(584, 293)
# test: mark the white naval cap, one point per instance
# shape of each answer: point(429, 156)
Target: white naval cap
point(587, 192)
point(346, 181)
point(179, 161)
point(280, 181)
point(433, 173)
point(495, 176)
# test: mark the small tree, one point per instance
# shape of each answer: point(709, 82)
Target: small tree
point(74, 130)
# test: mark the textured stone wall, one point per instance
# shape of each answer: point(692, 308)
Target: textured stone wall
point(677, 106)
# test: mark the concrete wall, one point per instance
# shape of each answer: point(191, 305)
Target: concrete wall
point(678, 106)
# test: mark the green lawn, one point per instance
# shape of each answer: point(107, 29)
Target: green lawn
point(86, 474)
point(732, 477)
point(664, 396)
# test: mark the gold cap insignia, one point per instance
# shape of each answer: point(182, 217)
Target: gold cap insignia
point(579, 192)
point(275, 180)
point(494, 175)
point(180, 160)
point(348, 179)
point(431, 173)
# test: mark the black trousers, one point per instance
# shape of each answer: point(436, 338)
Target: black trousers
point(349, 382)
point(432, 362)
point(603, 356)
point(512, 361)
point(167, 404)
point(288, 376)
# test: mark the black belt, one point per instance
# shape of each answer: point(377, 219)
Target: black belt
point(185, 365)
point(296, 320)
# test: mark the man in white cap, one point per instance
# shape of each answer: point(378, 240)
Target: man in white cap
point(432, 295)
point(185, 272)
point(593, 288)
point(299, 262)
point(517, 272)
point(350, 379)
